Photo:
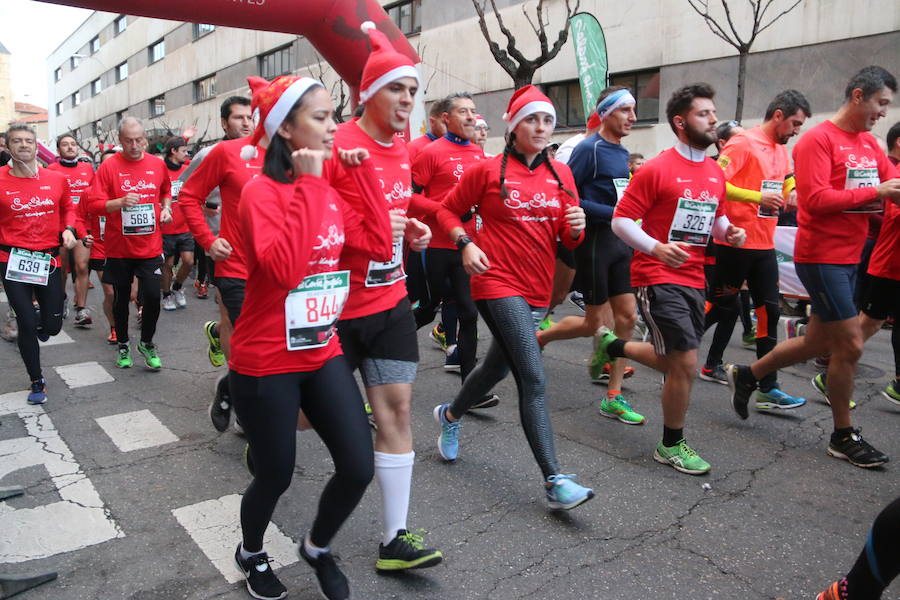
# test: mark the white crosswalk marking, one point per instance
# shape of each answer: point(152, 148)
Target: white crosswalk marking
point(136, 430)
point(83, 374)
point(61, 338)
point(215, 526)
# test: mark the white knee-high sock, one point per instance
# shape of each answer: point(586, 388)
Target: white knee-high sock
point(394, 475)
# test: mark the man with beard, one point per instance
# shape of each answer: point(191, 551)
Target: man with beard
point(679, 195)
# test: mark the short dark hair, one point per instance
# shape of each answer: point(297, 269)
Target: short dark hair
point(225, 111)
point(607, 91)
point(173, 143)
point(725, 130)
point(452, 98)
point(64, 136)
point(892, 135)
point(680, 101)
point(635, 156)
point(870, 80)
point(20, 127)
point(788, 102)
point(438, 107)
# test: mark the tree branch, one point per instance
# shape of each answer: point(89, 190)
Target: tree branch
point(778, 16)
point(711, 23)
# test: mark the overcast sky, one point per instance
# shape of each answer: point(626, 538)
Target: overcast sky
point(31, 31)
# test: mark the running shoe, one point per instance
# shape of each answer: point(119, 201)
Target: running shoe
point(565, 494)
point(578, 300)
point(124, 360)
point(851, 447)
point(775, 399)
point(333, 584)
point(822, 362)
point(835, 591)
point(38, 393)
point(641, 330)
point(452, 361)
point(407, 551)
point(214, 351)
point(180, 300)
point(607, 372)
point(793, 328)
point(819, 382)
point(546, 324)
point(488, 401)
point(892, 393)
point(82, 318)
point(111, 339)
point(741, 383)
point(220, 407)
point(168, 303)
point(261, 581)
point(438, 336)
point(715, 374)
point(601, 357)
point(90, 285)
point(748, 340)
point(618, 408)
point(681, 457)
point(448, 441)
point(201, 291)
point(151, 358)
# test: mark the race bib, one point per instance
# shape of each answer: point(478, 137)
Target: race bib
point(769, 185)
point(621, 185)
point(102, 227)
point(312, 309)
point(693, 222)
point(26, 266)
point(139, 219)
point(387, 273)
point(75, 200)
point(863, 178)
point(176, 188)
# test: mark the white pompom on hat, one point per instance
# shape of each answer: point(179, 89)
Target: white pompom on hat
point(384, 64)
point(271, 103)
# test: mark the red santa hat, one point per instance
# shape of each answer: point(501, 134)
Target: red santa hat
point(527, 101)
point(384, 64)
point(593, 121)
point(480, 122)
point(271, 103)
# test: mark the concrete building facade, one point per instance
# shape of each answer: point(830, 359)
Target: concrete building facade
point(176, 74)
point(7, 106)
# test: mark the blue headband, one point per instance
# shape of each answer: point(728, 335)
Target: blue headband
point(614, 101)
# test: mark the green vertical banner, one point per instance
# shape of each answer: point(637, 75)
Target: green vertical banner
point(590, 55)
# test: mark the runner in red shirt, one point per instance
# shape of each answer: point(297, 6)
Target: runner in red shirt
point(178, 243)
point(96, 228)
point(679, 197)
point(79, 174)
point(842, 174)
point(133, 190)
point(35, 206)
point(436, 129)
point(285, 355)
point(526, 201)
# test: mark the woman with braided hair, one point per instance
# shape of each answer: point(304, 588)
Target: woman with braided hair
point(526, 201)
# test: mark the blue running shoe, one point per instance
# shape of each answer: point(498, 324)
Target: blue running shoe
point(38, 393)
point(565, 493)
point(775, 399)
point(448, 442)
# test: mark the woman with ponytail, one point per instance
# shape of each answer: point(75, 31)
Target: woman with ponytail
point(526, 202)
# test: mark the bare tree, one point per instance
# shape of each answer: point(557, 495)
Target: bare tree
point(733, 38)
point(512, 60)
point(339, 93)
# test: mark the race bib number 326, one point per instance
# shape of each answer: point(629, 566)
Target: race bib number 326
point(693, 222)
point(313, 307)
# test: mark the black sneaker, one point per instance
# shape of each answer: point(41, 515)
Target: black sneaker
point(851, 447)
point(261, 581)
point(489, 401)
point(742, 384)
point(406, 551)
point(332, 583)
point(220, 407)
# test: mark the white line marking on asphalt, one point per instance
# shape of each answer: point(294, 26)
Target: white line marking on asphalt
point(61, 338)
point(215, 527)
point(3, 298)
point(83, 374)
point(136, 430)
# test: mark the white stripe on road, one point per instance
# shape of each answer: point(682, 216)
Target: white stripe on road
point(61, 338)
point(136, 430)
point(215, 527)
point(83, 374)
point(3, 298)
point(78, 520)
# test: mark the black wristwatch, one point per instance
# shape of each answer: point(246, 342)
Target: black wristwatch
point(463, 241)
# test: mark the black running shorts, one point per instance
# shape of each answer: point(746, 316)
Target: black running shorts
point(673, 314)
point(602, 266)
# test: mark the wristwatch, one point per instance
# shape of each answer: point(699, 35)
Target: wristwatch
point(463, 241)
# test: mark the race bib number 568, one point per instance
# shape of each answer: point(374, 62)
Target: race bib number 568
point(139, 219)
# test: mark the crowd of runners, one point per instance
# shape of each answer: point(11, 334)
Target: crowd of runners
point(329, 246)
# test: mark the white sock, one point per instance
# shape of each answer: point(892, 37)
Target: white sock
point(394, 475)
point(245, 555)
point(313, 551)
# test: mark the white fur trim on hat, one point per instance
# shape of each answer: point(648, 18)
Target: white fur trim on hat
point(529, 109)
point(392, 75)
point(285, 102)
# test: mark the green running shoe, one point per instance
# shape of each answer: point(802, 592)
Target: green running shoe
point(618, 408)
point(681, 457)
point(600, 357)
point(151, 359)
point(407, 551)
point(546, 324)
point(821, 386)
point(892, 393)
point(124, 359)
point(215, 353)
point(749, 339)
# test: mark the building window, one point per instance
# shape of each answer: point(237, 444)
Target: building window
point(645, 87)
point(407, 15)
point(95, 45)
point(157, 106)
point(97, 128)
point(96, 87)
point(120, 24)
point(57, 74)
point(157, 51)
point(121, 72)
point(204, 89)
point(275, 63)
point(201, 29)
point(76, 99)
point(74, 61)
point(566, 97)
point(59, 108)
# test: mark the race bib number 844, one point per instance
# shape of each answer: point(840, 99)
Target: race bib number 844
point(313, 307)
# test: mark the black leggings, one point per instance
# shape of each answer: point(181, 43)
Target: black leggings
point(50, 298)
point(759, 268)
point(149, 296)
point(447, 278)
point(879, 562)
point(200, 261)
point(515, 347)
point(267, 408)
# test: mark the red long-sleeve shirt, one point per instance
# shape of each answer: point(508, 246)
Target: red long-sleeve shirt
point(178, 224)
point(80, 177)
point(518, 234)
point(33, 210)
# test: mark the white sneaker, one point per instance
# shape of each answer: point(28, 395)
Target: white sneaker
point(180, 300)
point(168, 303)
